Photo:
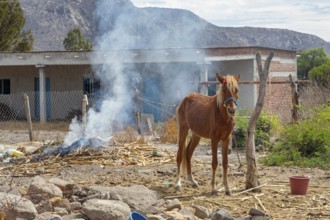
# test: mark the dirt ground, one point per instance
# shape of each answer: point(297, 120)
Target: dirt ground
point(153, 165)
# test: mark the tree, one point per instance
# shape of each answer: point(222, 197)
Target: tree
point(12, 21)
point(75, 41)
point(252, 172)
point(310, 59)
point(321, 74)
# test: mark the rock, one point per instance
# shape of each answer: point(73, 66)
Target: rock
point(103, 192)
point(48, 216)
point(259, 217)
point(221, 214)
point(153, 210)
point(8, 189)
point(248, 217)
point(188, 214)
point(65, 186)
point(254, 212)
point(75, 205)
point(60, 211)
point(44, 206)
point(138, 197)
point(155, 217)
point(159, 203)
point(174, 215)
point(99, 209)
point(18, 207)
point(201, 212)
point(173, 204)
point(74, 216)
point(40, 189)
point(61, 203)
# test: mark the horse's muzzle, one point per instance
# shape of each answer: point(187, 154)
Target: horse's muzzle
point(231, 111)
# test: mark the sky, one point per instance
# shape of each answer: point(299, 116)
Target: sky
point(306, 16)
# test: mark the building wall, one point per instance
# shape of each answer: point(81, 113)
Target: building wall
point(66, 85)
point(65, 78)
point(62, 78)
point(278, 98)
point(246, 92)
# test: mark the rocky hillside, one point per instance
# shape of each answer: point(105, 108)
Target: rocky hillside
point(133, 27)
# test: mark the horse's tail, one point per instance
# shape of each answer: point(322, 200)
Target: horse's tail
point(184, 158)
point(183, 149)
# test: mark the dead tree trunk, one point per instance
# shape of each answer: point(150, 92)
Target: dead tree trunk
point(252, 172)
point(295, 100)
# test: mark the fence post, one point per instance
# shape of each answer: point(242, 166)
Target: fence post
point(28, 115)
point(84, 110)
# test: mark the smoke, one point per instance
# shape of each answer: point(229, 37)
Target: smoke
point(121, 26)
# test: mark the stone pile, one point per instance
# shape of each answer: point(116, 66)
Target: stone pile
point(57, 199)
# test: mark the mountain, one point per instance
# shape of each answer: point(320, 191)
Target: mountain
point(129, 27)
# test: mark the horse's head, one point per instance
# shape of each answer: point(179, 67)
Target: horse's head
point(228, 93)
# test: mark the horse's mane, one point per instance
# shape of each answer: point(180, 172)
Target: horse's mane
point(231, 85)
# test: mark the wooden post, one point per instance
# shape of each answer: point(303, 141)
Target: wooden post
point(138, 109)
point(28, 115)
point(252, 172)
point(295, 100)
point(84, 111)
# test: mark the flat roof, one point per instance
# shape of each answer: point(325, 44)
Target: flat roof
point(198, 55)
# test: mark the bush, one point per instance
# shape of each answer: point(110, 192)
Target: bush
point(267, 126)
point(305, 144)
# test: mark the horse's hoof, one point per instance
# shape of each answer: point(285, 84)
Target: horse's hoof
point(228, 193)
point(214, 193)
point(178, 187)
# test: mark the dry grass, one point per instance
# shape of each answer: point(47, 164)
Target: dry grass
point(169, 132)
point(129, 135)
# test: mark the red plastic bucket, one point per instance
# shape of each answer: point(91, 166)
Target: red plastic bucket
point(299, 184)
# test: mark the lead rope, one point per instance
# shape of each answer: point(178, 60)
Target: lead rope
point(235, 145)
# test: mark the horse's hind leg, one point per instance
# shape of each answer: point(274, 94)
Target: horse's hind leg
point(181, 154)
point(190, 150)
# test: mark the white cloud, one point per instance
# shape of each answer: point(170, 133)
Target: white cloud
point(312, 17)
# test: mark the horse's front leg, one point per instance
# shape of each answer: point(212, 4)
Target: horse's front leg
point(225, 145)
point(214, 144)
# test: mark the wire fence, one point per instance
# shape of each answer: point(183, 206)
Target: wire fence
point(62, 107)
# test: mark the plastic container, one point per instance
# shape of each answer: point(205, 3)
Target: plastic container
point(299, 184)
point(136, 216)
point(13, 153)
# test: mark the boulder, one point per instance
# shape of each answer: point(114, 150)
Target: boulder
point(17, 207)
point(100, 209)
point(41, 189)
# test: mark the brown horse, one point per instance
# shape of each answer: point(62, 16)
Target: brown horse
point(208, 117)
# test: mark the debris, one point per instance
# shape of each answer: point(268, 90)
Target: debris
point(12, 153)
point(81, 144)
point(248, 190)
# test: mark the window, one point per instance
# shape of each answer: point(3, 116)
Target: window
point(4, 86)
point(91, 86)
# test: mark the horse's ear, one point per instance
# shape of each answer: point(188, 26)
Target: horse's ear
point(220, 78)
point(238, 77)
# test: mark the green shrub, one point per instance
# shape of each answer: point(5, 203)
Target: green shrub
point(267, 126)
point(305, 144)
